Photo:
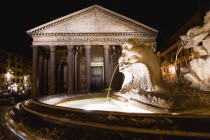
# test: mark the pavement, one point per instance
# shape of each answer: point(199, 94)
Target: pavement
point(3, 110)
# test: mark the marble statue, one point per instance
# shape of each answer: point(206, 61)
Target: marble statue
point(197, 72)
point(141, 67)
point(196, 35)
point(143, 80)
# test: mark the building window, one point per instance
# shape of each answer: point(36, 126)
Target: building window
point(183, 53)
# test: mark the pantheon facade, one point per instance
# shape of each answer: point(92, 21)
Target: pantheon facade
point(79, 52)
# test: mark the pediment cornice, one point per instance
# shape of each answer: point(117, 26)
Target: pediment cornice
point(37, 30)
point(95, 34)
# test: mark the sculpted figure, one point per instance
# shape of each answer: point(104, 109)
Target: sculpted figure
point(143, 80)
point(196, 35)
point(141, 67)
point(197, 71)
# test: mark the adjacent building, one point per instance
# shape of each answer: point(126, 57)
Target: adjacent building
point(15, 72)
point(170, 68)
point(79, 52)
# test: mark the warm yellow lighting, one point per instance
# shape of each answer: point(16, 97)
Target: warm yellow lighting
point(8, 75)
point(101, 105)
point(172, 69)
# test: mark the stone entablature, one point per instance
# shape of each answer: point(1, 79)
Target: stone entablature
point(89, 29)
point(86, 40)
point(91, 26)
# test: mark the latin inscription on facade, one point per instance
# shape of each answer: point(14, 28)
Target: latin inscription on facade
point(95, 39)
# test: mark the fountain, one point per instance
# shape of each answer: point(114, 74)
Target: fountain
point(144, 82)
point(145, 107)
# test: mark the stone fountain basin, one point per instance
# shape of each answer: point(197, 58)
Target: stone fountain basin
point(41, 119)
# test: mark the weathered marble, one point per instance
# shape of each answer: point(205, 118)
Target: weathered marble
point(144, 81)
point(93, 25)
point(197, 72)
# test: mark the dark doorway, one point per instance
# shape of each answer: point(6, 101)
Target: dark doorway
point(62, 77)
point(96, 78)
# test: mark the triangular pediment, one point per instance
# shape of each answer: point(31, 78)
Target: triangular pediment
point(94, 19)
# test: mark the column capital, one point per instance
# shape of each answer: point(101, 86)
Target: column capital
point(80, 49)
point(106, 46)
point(70, 48)
point(52, 48)
point(75, 50)
point(35, 48)
point(87, 46)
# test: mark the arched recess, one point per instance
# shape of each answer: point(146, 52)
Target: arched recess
point(62, 77)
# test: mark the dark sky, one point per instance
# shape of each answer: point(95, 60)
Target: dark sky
point(164, 15)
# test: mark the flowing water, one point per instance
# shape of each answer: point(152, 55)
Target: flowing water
point(103, 104)
point(181, 45)
point(111, 83)
point(100, 105)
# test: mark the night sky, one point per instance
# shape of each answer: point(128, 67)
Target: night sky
point(166, 16)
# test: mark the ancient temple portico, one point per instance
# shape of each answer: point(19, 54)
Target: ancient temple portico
point(79, 52)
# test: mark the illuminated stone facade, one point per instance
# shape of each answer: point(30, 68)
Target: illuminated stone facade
point(170, 74)
point(15, 72)
point(79, 52)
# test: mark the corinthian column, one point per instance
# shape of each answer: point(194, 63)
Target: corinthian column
point(41, 68)
point(106, 66)
point(34, 71)
point(87, 68)
point(70, 62)
point(52, 70)
point(45, 74)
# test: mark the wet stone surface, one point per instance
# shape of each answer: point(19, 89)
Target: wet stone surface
point(3, 111)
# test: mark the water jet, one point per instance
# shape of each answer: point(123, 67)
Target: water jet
point(171, 111)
